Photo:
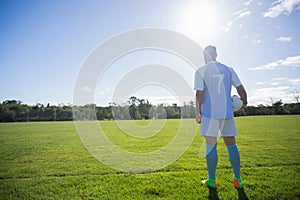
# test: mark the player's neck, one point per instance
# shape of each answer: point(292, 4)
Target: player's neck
point(210, 61)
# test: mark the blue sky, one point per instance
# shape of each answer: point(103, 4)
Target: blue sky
point(44, 43)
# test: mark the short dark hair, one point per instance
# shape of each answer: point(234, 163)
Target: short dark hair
point(210, 51)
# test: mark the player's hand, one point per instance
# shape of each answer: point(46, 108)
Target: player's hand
point(244, 105)
point(199, 118)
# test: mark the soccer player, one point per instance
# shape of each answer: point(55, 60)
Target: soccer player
point(213, 83)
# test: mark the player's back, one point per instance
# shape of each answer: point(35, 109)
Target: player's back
point(217, 90)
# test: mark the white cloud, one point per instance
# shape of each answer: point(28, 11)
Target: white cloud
point(283, 88)
point(279, 79)
point(228, 26)
point(256, 41)
point(239, 12)
point(281, 7)
point(238, 15)
point(247, 3)
point(284, 39)
point(291, 81)
point(261, 83)
point(294, 81)
point(287, 62)
point(268, 94)
point(86, 88)
point(275, 83)
point(243, 14)
point(272, 89)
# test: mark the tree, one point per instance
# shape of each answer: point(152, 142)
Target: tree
point(144, 108)
point(278, 108)
point(133, 110)
point(15, 111)
point(173, 112)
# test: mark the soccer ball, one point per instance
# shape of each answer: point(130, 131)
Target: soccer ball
point(237, 103)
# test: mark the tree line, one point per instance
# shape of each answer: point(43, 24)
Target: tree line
point(135, 108)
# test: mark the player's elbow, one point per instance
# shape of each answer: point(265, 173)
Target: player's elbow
point(199, 93)
point(240, 89)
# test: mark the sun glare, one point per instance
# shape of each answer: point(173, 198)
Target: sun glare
point(200, 20)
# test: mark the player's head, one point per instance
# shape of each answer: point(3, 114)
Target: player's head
point(210, 53)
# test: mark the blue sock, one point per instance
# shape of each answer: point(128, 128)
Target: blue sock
point(234, 157)
point(211, 160)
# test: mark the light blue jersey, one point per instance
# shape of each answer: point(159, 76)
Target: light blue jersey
point(216, 80)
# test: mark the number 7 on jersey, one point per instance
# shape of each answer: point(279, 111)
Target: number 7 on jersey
point(220, 77)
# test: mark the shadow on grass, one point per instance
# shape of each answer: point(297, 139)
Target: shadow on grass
point(241, 194)
point(213, 194)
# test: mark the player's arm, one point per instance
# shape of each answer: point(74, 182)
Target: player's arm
point(199, 87)
point(243, 94)
point(239, 88)
point(199, 101)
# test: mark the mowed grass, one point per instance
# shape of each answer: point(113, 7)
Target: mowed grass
point(46, 160)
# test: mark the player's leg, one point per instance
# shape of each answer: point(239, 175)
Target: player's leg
point(234, 155)
point(211, 160)
point(228, 133)
point(210, 129)
point(234, 158)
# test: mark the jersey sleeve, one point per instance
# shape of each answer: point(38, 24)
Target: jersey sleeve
point(198, 81)
point(235, 81)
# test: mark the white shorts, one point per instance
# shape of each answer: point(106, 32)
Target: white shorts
point(218, 127)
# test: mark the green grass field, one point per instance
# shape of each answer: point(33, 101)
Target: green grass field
point(46, 160)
